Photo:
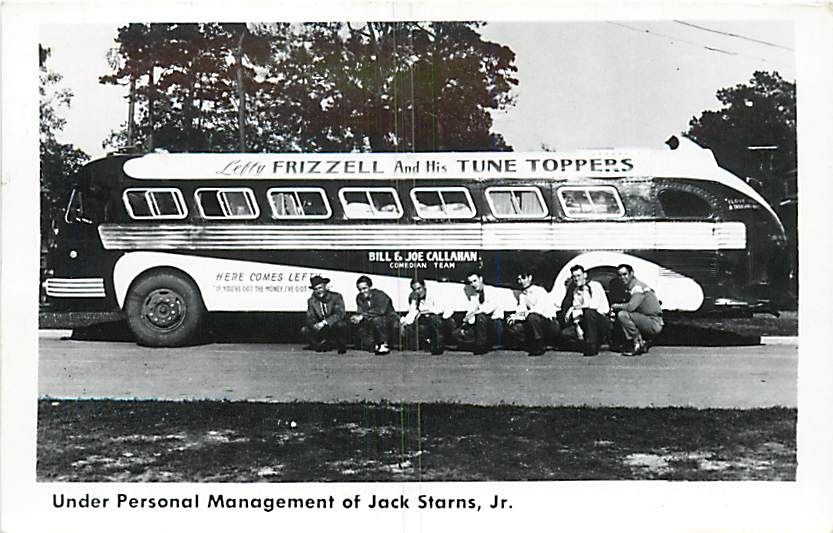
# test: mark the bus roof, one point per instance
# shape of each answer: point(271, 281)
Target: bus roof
point(689, 160)
point(697, 163)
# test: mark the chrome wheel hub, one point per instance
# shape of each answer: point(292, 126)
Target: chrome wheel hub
point(163, 309)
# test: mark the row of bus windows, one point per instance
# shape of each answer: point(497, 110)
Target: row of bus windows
point(598, 201)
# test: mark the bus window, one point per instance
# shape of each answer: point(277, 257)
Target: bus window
point(516, 202)
point(227, 203)
point(162, 203)
point(591, 202)
point(298, 203)
point(442, 202)
point(684, 204)
point(377, 202)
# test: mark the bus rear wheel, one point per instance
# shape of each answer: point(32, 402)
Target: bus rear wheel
point(165, 309)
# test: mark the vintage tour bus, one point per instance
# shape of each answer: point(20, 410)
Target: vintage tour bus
point(167, 238)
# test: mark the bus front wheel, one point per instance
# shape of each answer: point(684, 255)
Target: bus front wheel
point(165, 309)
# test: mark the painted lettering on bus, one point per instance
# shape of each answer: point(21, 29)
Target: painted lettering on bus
point(488, 165)
point(239, 167)
point(463, 256)
point(418, 167)
point(349, 166)
point(577, 165)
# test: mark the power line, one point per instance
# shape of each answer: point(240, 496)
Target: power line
point(699, 45)
point(691, 43)
point(735, 35)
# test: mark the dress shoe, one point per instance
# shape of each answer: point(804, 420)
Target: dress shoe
point(637, 349)
point(382, 349)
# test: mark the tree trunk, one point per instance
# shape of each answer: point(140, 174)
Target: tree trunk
point(131, 113)
point(151, 100)
point(378, 142)
point(241, 109)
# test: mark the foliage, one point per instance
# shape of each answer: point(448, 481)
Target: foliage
point(313, 87)
point(760, 113)
point(58, 161)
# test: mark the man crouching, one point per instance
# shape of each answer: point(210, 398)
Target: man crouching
point(533, 323)
point(585, 312)
point(641, 316)
point(326, 323)
point(375, 318)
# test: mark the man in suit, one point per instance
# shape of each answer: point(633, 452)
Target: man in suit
point(376, 317)
point(326, 322)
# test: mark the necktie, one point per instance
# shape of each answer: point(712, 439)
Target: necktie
point(323, 308)
point(481, 297)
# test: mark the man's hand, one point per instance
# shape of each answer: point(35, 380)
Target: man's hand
point(516, 317)
point(355, 319)
point(318, 325)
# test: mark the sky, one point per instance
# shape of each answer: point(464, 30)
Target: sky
point(613, 84)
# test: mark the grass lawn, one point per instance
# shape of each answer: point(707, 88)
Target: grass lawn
point(105, 440)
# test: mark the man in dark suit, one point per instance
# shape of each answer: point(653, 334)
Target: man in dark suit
point(326, 323)
point(376, 317)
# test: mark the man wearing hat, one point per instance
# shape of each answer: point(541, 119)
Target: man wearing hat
point(326, 323)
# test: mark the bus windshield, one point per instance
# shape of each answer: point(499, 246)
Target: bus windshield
point(84, 207)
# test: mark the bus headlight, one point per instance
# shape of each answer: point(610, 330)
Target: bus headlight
point(73, 254)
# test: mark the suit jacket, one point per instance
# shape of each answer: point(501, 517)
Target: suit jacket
point(379, 304)
point(335, 309)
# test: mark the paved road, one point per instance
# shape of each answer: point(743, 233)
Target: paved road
point(748, 376)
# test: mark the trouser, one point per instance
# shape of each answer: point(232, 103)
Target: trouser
point(534, 332)
point(595, 326)
point(475, 335)
point(428, 329)
point(374, 331)
point(336, 334)
point(636, 325)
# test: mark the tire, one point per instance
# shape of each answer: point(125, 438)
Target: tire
point(165, 309)
point(603, 275)
point(606, 276)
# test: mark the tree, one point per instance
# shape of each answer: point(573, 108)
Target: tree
point(314, 87)
point(754, 134)
point(59, 162)
point(184, 79)
point(399, 86)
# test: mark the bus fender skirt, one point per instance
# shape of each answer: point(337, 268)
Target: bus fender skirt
point(676, 291)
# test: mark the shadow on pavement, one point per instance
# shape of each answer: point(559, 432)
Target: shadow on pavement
point(272, 328)
point(691, 335)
